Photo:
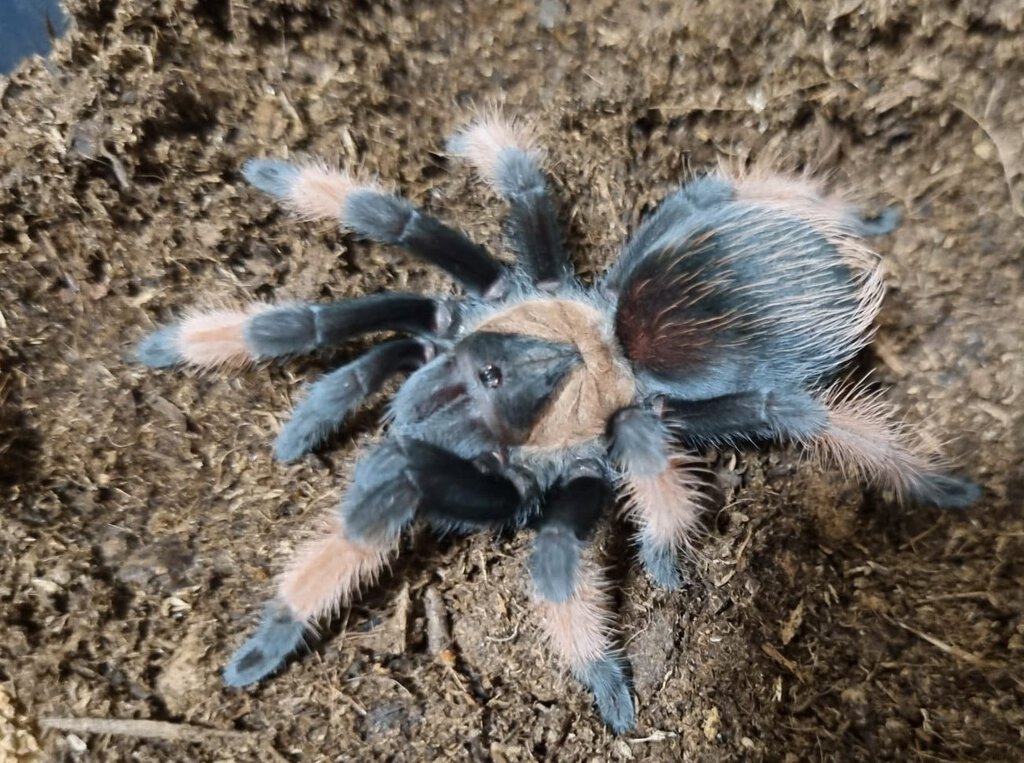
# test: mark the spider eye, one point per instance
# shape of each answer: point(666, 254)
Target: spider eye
point(490, 376)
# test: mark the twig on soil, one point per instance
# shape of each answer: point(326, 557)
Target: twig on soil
point(946, 647)
point(920, 536)
point(977, 595)
point(142, 728)
point(117, 166)
point(356, 707)
point(439, 636)
point(504, 639)
point(145, 729)
point(657, 736)
point(789, 665)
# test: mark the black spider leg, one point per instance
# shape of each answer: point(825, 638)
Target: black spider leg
point(399, 479)
point(330, 400)
point(260, 332)
point(388, 219)
point(532, 223)
point(304, 327)
point(404, 477)
point(753, 415)
point(851, 430)
point(571, 596)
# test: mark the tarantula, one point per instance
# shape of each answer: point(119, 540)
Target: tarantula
point(533, 400)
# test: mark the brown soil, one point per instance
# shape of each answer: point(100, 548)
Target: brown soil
point(144, 519)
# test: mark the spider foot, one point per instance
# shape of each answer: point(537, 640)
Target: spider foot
point(607, 679)
point(887, 221)
point(280, 633)
point(275, 177)
point(944, 491)
point(160, 349)
point(662, 564)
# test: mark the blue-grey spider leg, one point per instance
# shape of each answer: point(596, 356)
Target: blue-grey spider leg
point(532, 224)
point(393, 483)
point(382, 217)
point(660, 492)
point(504, 155)
point(379, 503)
point(571, 596)
point(865, 440)
point(260, 332)
point(887, 221)
point(852, 430)
point(330, 400)
point(753, 415)
point(302, 328)
point(393, 220)
point(450, 492)
point(279, 634)
point(943, 491)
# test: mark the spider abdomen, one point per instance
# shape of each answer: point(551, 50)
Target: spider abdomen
point(747, 290)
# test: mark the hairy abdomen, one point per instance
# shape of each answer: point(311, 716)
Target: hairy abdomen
point(740, 290)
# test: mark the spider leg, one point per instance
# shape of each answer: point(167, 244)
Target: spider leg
point(854, 429)
point(753, 415)
point(324, 573)
point(505, 157)
point(449, 491)
point(571, 597)
point(318, 192)
point(864, 438)
point(330, 400)
point(392, 483)
point(805, 199)
point(661, 493)
point(328, 571)
point(259, 332)
point(887, 221)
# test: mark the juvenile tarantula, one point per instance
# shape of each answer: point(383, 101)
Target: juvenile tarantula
point(726, 318)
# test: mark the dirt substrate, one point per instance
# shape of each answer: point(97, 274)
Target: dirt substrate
point(143, 517)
